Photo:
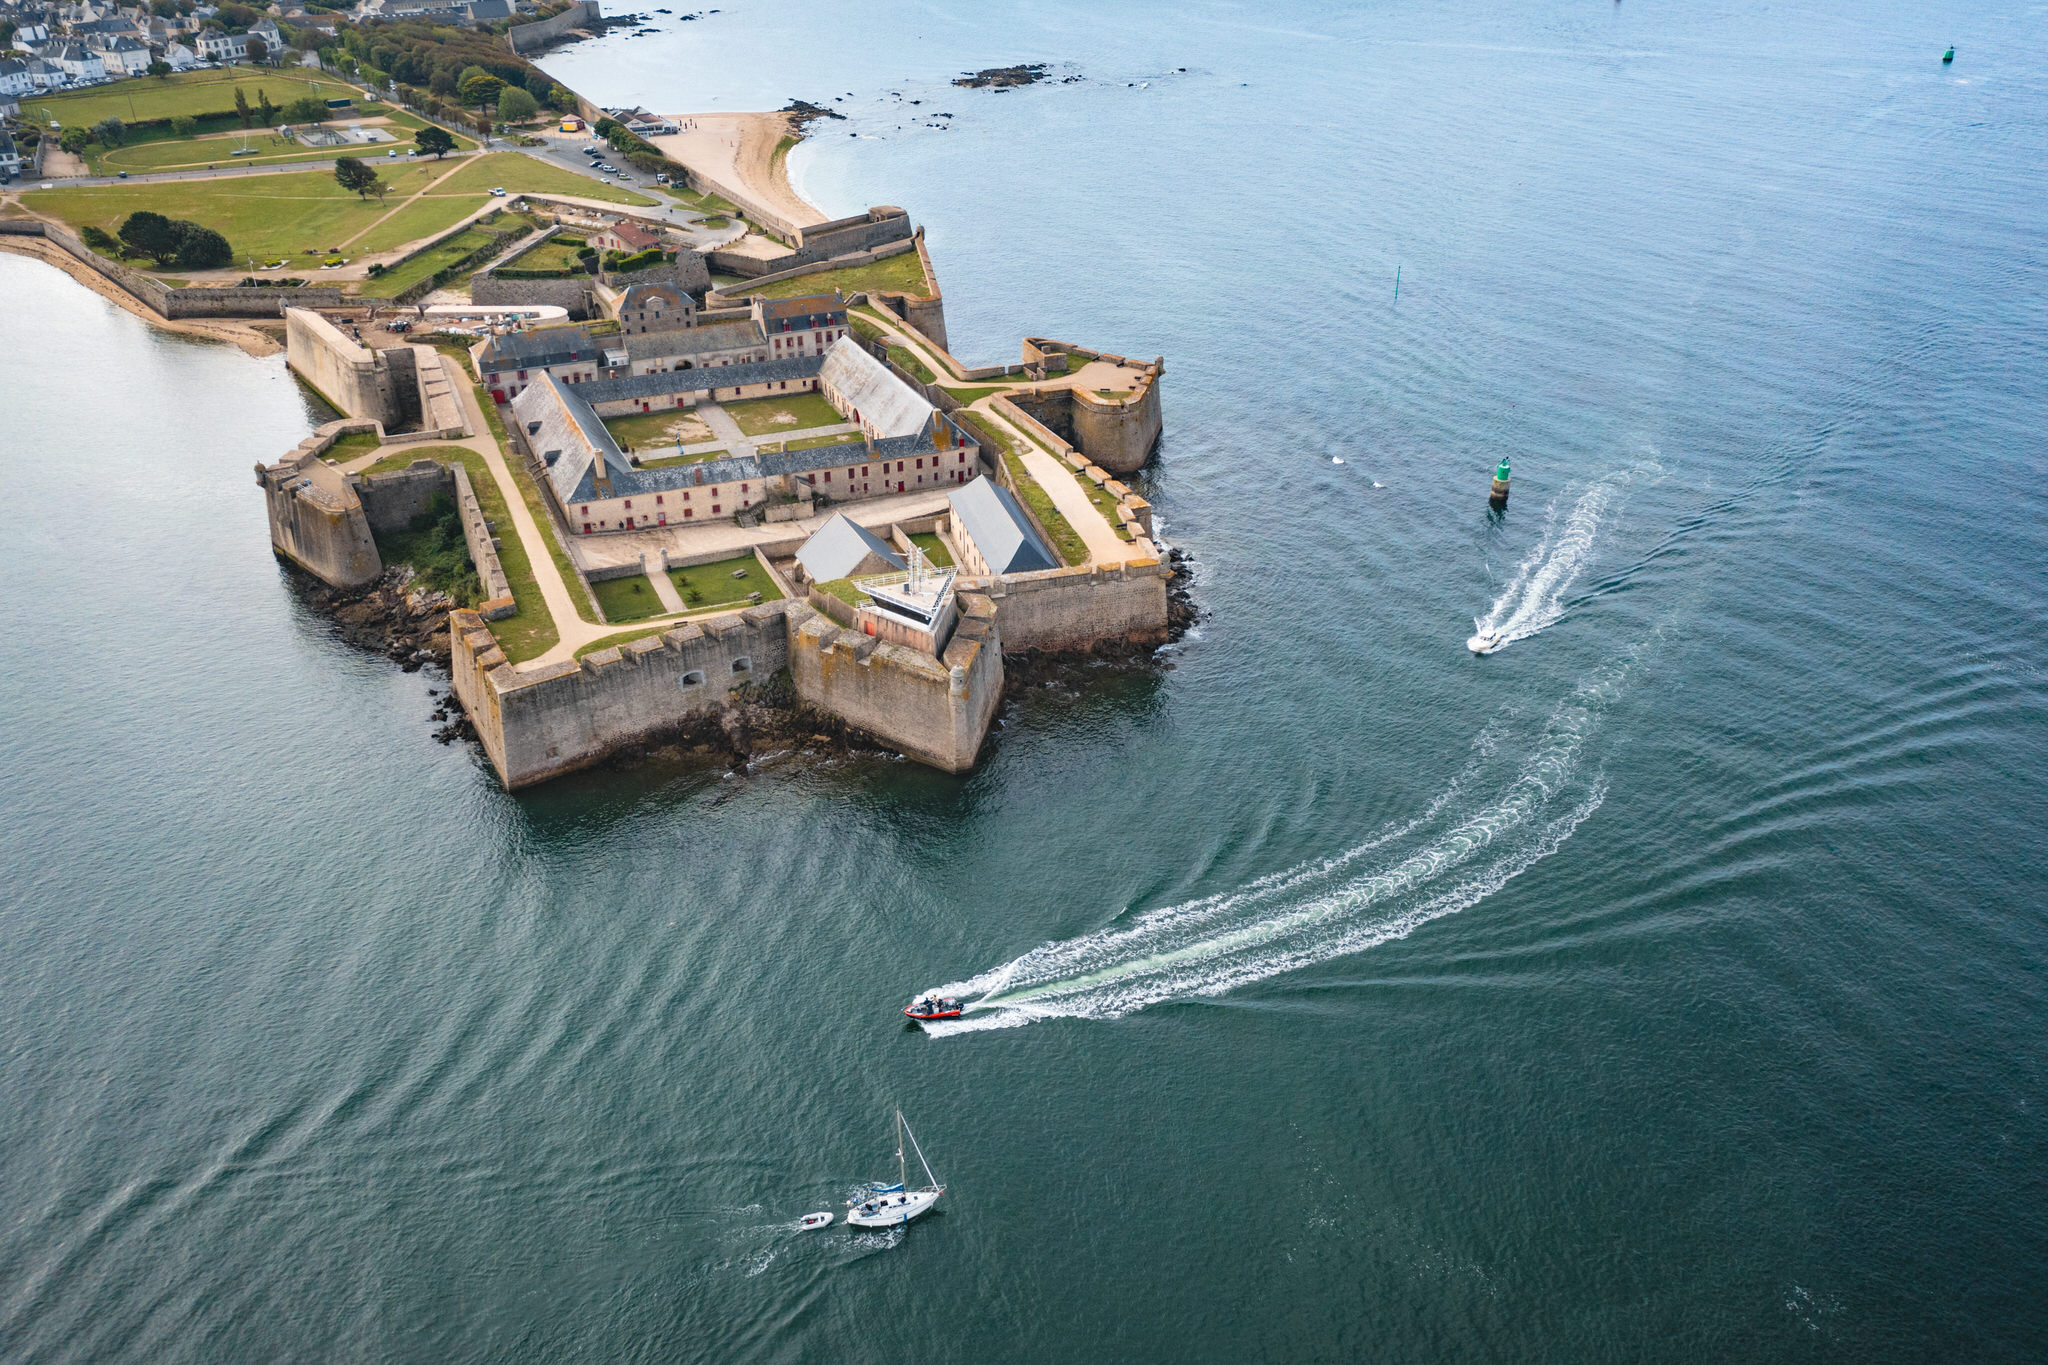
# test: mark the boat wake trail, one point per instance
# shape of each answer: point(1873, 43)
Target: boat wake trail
point(1534, 597)
point(1511, 807)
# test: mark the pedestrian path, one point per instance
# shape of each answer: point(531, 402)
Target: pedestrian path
point(664, 586)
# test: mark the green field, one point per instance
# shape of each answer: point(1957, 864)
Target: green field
point(265, 217)
point(627, 599)
point(934, 549)
point(767, 416)
point(670, 461)
point(897, 275)
point(170, 154)
point(556, 253)
point(193, 92)
point(516, 172)
point(397, 280)
point(713, 585)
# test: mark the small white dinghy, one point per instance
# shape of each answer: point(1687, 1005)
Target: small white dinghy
point(812, 1221)
point(888, 1206)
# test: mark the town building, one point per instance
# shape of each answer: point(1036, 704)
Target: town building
point(10, 159)
point(808, 324)
point(655, 308)
point(218, 45)
point(625, 236)
point(14, 77)
point(510, 362)
point(126, 56)
point(77, 61)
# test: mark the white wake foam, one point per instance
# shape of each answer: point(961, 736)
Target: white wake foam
point(1501, 815)
point(1534, 597)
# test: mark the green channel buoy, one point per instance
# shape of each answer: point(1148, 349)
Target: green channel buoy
point(1499, 497)
point(1948, 56)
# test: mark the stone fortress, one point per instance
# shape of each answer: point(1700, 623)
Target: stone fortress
point(933, 517)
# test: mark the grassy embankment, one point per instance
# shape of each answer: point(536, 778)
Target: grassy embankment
point(530, 631)
point(1066, 541)
point(791, 412)
point(896, 275)
point(707, 588)
point(556, 253)
point(406, 274)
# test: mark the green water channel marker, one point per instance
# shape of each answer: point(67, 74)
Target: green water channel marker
point(1499, 496)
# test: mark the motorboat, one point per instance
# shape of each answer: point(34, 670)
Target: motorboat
point(934, 1006)
point(812, 1221)
point(889, 1206)
point(1487, 640)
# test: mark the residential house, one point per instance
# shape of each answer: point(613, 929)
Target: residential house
point(509, 363)
point(218, 45)
point(625, 236)
point(180, 57)
point(14, 77)
point(77, 61)
point(10, 159)
point(126, 56)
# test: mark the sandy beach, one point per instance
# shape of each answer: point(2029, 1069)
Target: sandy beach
point(738, 150)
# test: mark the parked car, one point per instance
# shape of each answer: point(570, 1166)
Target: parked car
point(498, 190)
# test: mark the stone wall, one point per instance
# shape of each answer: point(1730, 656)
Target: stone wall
point(483, 550)
point(1118, 434)
point(572, 293)
point(390, 501)
point(1067, 609)
point(686, 272)
point(316, 519)
point(737, 295)
point(167, 302)
point(937, 711)
point(524, 38)
point(555, 719)
point(819, 242)
point(342, 371)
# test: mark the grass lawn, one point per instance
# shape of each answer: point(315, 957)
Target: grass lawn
point(934, 549)
point(845, 590)
point(409, 273)
point(976, 394)
point(713, 585)
point(262, 216)
point(218, 149)
point(907, 359)
point(530, 631)
point(350, 446)
point(660, 427)
point(703, 203)
point(670, 461)
point(192, 92)
point(766, 416)
point(841, 438)
point(515, 171)
point(628, 599)
point(896, 275)
point(556, 253)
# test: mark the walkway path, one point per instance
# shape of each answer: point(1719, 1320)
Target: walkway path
point(1063, 486)
point(664, 586)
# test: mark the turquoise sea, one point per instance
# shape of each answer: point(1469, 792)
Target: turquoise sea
point(1670, 985)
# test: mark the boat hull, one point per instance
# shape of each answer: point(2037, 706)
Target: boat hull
point(892, 1210)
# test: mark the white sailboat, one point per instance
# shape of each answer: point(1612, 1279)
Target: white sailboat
point(888, 1206)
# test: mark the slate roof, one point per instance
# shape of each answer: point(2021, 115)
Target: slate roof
point(689, 341)
point(839, 549)
point(537, 349)
point(639, 295)
point(587, 463)
point(885, 402)
point(1003, 535)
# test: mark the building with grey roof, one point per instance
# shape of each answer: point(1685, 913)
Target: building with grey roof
point(864, 391)
point(843, 549)
point(662, 388)
point(994, 534)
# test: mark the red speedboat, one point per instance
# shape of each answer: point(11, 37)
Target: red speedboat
point(933, 1007)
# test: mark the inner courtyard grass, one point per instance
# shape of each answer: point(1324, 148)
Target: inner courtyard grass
point(653, 428)
point(902, 274)
point(714, 585)
point(791, 412)
point(934, 549)
point(556, 253)
point(671, 461)
point(627, 599)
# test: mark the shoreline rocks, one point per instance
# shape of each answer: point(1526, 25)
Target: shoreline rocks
point(1005, 77)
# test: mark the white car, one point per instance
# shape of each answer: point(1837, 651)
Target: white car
point(499, 191)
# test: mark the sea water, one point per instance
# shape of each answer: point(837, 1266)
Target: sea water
point(1667, 984)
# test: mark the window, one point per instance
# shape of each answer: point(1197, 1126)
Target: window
point(694, 678)
point(657, 499)
point(714, 509)
point(629, 501)
point(522, 374)
point(828, 476)
point(586, 511)
point(743, 488)
point(863, 472)
point(689, 512)
point(686, 495)
point(586, 528)
point(920, 465)
point(743, 665)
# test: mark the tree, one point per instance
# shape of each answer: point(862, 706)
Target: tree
point(75, 140)
point(306, 109)
point(242, 110)
point(152, 235)
point(109, 132)
point(354, 176)
point(563, 98)
point(256, 48)
point(184, 125)
point(100, 240)
point(515, 104)
point(480, 90)
point(482, 124)
point(266, 109)
point(437, 142)
point(539, 83)
point(159, 68)
point(201, 248)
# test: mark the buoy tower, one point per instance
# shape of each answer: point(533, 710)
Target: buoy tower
point(1499, 497)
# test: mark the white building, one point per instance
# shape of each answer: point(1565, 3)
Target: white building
point(180, 57)
point(126, 57)
point(216, 46)
point(77, 61)
point(14, 77)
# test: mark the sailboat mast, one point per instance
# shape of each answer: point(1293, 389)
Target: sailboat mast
point(902, 1172)
point(931, 1180)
